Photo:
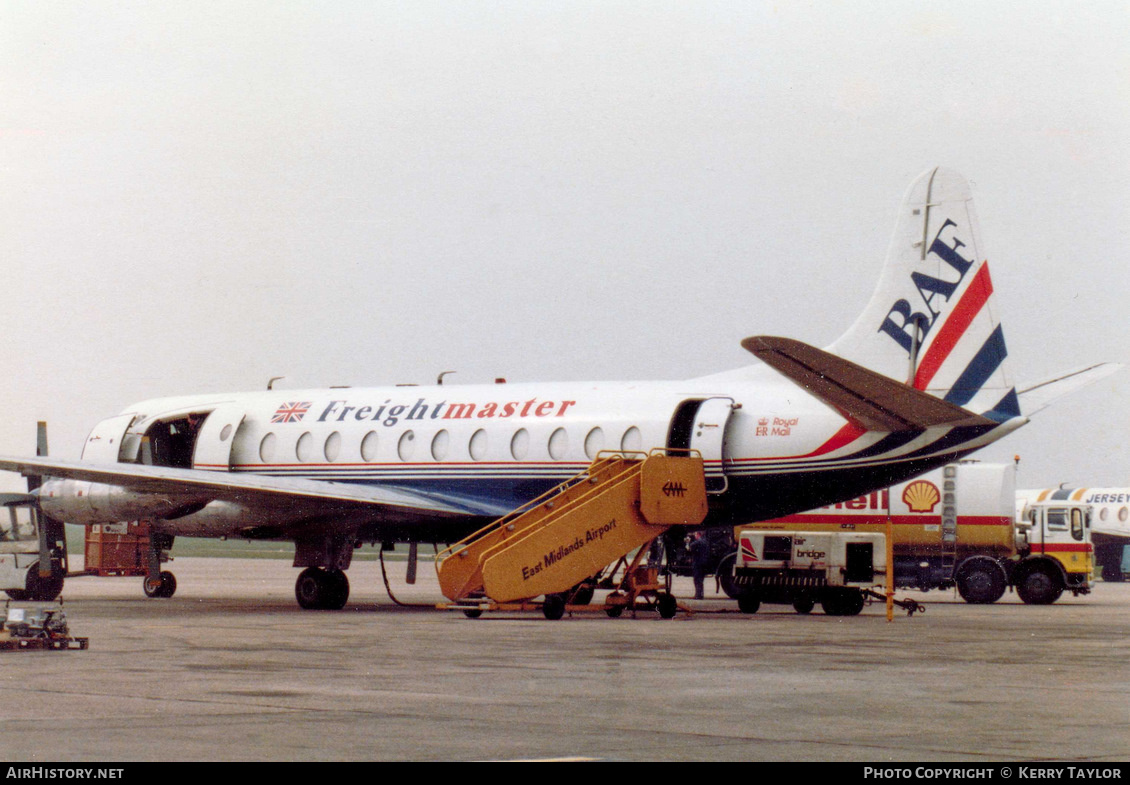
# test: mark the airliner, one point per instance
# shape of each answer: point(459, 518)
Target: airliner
point(920, 380)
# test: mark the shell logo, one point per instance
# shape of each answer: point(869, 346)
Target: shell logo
point(921, 496)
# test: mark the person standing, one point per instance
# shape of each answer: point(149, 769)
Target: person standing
point(700, 560)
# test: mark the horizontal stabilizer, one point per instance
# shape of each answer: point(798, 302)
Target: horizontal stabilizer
point(871, 399)
point(1036, 397)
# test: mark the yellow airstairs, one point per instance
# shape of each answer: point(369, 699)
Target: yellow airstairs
point(556, 544)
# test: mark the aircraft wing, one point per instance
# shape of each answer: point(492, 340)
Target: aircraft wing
point(243, 487)
point(869, 398)
point(1040, 395)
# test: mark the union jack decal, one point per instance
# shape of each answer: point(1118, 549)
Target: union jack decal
point(292, 412)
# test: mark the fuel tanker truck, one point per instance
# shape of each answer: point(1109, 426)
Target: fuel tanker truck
point(960, 526)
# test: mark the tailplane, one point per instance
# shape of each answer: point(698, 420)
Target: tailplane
point(931, 322)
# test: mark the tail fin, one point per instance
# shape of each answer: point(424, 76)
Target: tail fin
point(931, 322)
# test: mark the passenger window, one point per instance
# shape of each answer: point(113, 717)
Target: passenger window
point(369, 447)
point(333, 446)
point(441, 443)
point(1077, 524)
point(632, 441)
point(305, 447)
point(520, 444)
point(267, 448)
point(406, 447)
point(478, 445)
point(594, 443)
point(558, 444)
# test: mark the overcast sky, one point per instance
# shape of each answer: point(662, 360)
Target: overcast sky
point(198, 196)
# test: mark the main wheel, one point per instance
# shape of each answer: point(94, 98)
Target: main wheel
point(308, 588)
point(338, 590)
point(981, 580)
point(320, 589)
point(163, 586)
point(1039, 586)
point(804, 604)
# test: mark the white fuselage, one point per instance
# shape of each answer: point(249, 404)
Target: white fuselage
point(492, 446)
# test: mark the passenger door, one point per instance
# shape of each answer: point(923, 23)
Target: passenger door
point(700, 424)
point(215, 439)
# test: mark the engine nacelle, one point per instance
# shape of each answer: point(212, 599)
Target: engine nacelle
point(88, 503)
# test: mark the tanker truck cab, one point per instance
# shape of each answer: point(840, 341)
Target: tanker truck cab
point(1053, 541)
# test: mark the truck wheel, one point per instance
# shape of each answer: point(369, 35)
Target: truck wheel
point(725, 576)
point(830, 602)
point(1039, 586)
point(749, 603)
point(981, 580)
point(852, 602)
point(804, 605)
point(38, 589)
point(841, 602)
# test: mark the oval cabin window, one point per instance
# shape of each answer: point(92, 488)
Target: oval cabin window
point(632, 441)
point(333, 446)
point(406, 447)
point(558, 444)
point(267, 448)
point(478, 445)
point(441, 443)
point(369, 447)
point(520, 444)
point(594, 443)
point(305, 447)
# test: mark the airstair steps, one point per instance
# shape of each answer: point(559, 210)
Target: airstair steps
point(550, 545)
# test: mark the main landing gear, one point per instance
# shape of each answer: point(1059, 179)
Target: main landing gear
point(319, 588)
point(158, 583)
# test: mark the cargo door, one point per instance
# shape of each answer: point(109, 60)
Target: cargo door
point(215, 438)
point(104, 444)
point(700, 424)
